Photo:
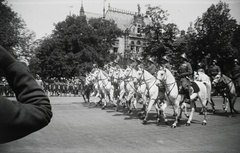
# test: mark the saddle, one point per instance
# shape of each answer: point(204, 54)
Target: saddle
point(193, 85)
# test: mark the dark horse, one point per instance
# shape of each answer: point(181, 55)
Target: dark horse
point(227, 91)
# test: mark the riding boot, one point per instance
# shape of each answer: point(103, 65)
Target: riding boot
point(187, 94)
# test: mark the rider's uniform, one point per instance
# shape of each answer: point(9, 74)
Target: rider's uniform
point(236, 76)
point(185, 75)
point(214, 70)
point(152, 69)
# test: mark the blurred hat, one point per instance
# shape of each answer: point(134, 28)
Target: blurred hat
point(236, 60)
point(215, 61)
point(165, 58)
point(132, 59)
point(151, 60)
point(115, 61)
point(199, 64)
point(184, 56)
point(139, 60)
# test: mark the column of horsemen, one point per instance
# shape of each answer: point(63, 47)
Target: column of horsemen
point(183, 75)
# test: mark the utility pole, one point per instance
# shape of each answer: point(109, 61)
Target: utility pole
point(70, 13)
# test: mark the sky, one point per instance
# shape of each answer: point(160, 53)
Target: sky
point(41, 15)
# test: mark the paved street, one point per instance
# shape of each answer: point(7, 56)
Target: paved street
point(77, 127)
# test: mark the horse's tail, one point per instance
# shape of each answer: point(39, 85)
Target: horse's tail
point(208, 87)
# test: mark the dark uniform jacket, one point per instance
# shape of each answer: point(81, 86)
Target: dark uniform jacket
point(185, 70)
point(31, 111)
point(152, 69)
point(214, 70)
point(236, 72)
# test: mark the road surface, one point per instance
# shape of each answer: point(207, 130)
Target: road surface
point(77, 127)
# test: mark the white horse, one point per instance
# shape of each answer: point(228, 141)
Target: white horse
point(149, 88)
point(131, 90)
point(119, 79)
point(202, 77)
point(172, 98)
point(199, 91)
point(227, 90)
point(104, 83)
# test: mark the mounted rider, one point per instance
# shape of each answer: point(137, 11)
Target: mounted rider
point(200, 68)
point(115, 67)
point(214, 69)
point(185, 75)
point(236, 74)
point(151, 67)
point(166, 63)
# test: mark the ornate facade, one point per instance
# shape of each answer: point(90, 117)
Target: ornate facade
point(132, 23)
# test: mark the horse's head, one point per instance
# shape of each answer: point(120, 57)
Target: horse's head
point(115, 75)
point(138, 76)
point(217, 79)
point(196, 76)
point(161, 74)
point(95, 74)
point(128, 72)
point(111, 72)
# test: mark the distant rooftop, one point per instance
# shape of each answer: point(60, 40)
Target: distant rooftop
point(93, 15)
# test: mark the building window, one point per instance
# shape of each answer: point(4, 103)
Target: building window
point(115, 49)
point(139, 43)
point(139, 29)
point(132, 45)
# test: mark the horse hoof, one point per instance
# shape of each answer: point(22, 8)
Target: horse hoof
point(236, 111)
point(188, 124)
point(173, 126)
point(144, 122)
point(204, 123)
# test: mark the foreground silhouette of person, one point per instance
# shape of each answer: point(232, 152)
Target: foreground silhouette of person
point(32, 110)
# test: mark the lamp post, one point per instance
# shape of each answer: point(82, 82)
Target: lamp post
point(70, 13)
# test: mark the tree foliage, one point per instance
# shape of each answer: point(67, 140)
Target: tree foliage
point(159, 36)
point(14, 36)
point(215, 35)
point(75, 45)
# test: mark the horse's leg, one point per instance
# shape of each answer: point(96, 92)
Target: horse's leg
point(230, 105)
point(111, 96)
point(226, 101)
point(105, 99)
point(233, 103)
point(118, 100)
point(213, 105)
point(192, 106)
point(204, 106)
point(163, 107)
point(158, 110)
point(151, 102)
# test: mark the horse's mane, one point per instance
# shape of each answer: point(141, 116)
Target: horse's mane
point(226, 78)
point(104, 73)
point(168, 72)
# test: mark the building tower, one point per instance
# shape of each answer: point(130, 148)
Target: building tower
point(82, 13)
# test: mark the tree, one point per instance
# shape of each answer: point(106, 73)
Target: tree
point(159, 36)
point(14, 35)
point(75, 45)
point(215, 30)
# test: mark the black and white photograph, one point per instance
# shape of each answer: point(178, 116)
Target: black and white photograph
point(119, 76)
